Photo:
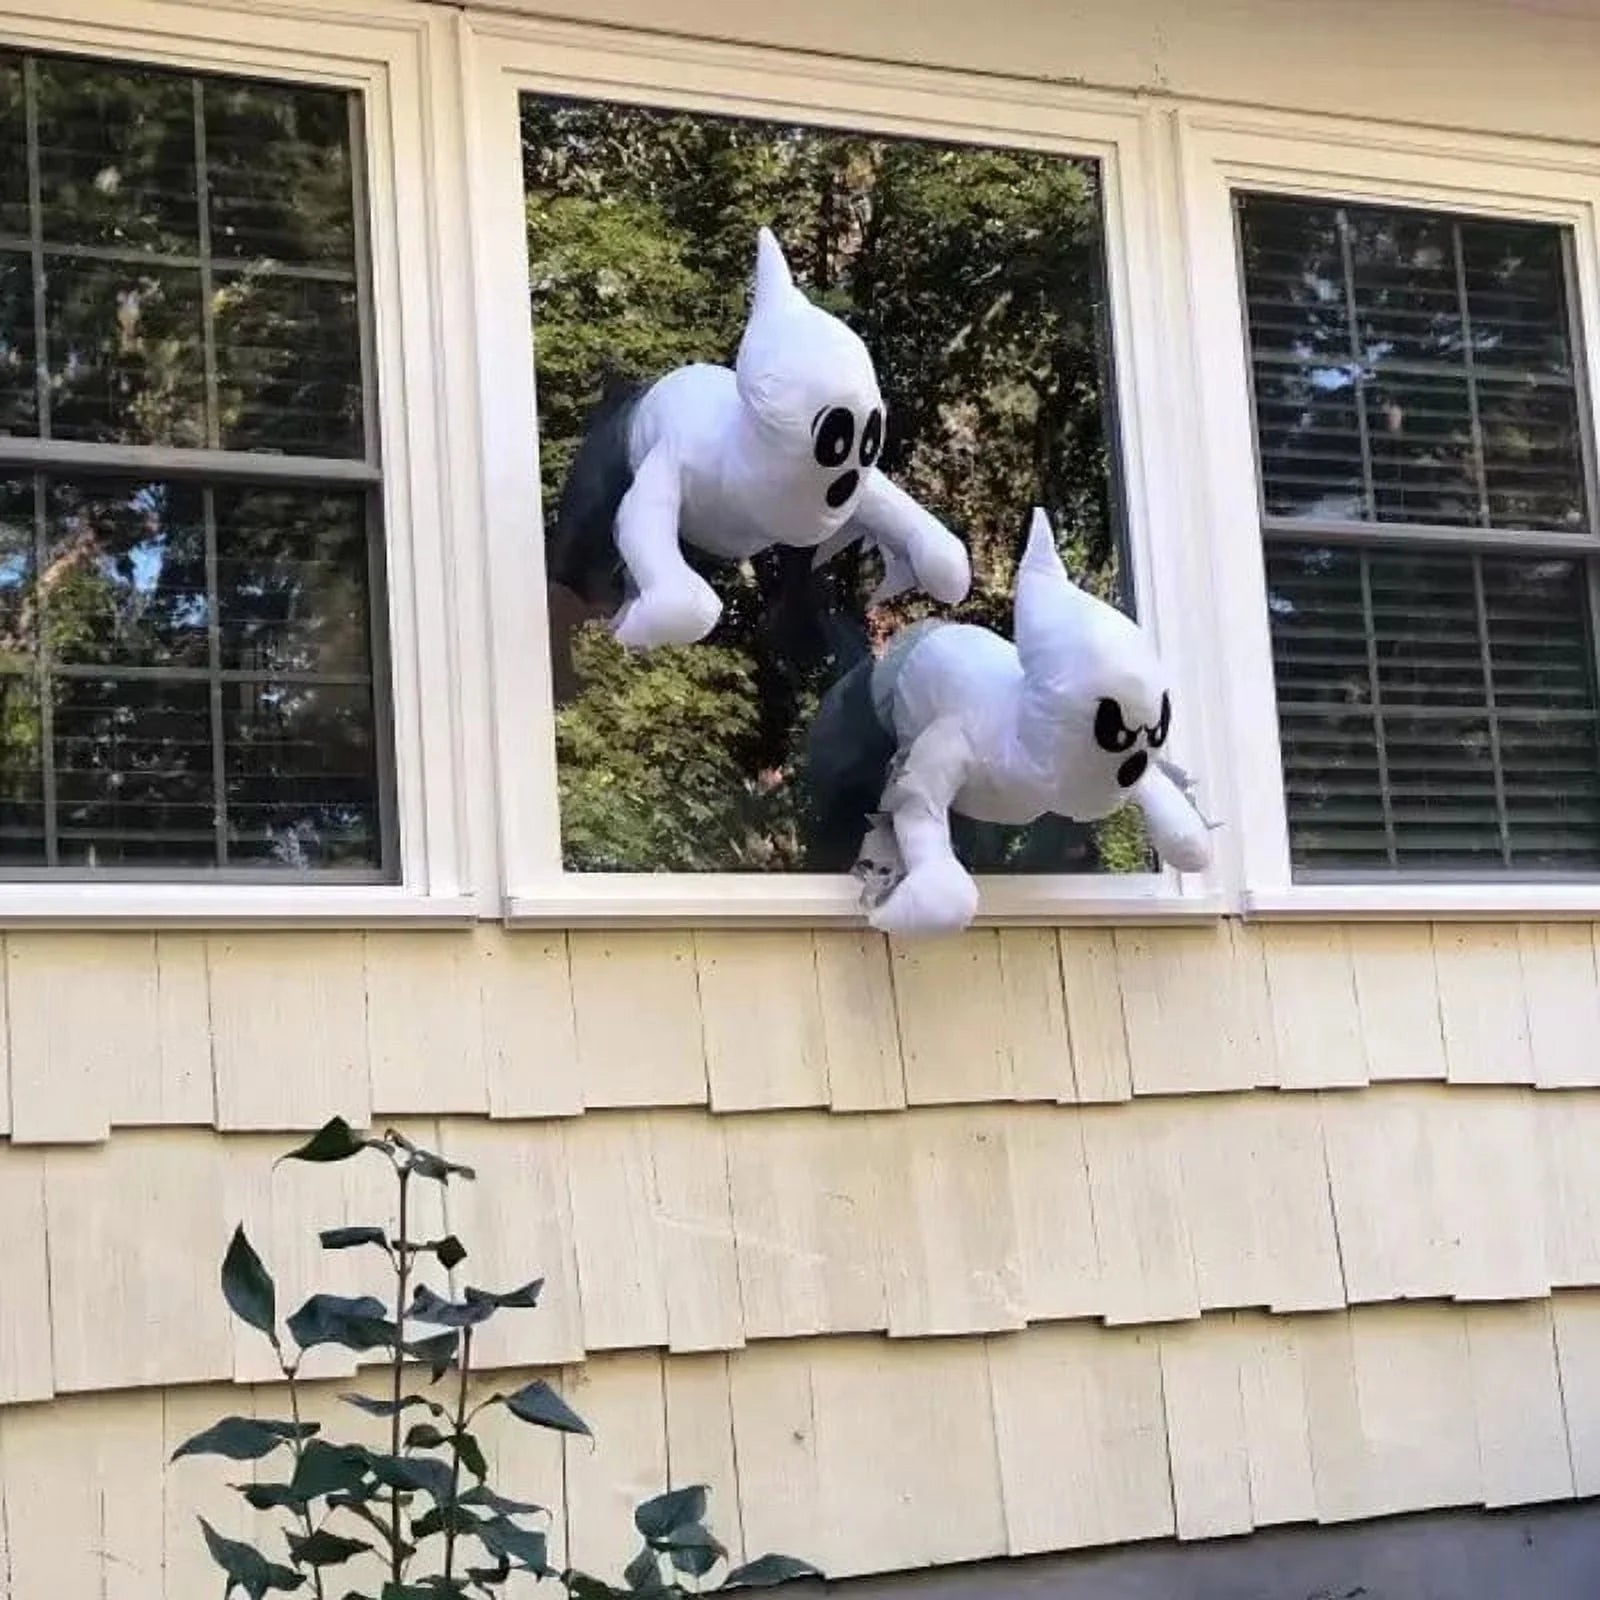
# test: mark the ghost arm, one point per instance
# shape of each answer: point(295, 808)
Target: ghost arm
point(672, 603)
point(937, 894)
point(918, 550)
point(1177, 830)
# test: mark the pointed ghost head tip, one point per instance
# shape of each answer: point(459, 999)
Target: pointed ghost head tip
point(1040, 553)
point(773, 278)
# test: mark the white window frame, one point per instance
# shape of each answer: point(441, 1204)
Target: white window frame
point(1224, 150)
point(505, 56)
point(395, 55)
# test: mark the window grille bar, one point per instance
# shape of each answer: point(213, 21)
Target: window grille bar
point(1414, 535)
point(41, 328)
point(98, 671)
point(1497, 766)
point(121, 256)
point(1358, 360)
point(219, 765)
point(161, 461)
point(1480, 469)
point(208, 309)
point(41, 624)
point(1375, 689)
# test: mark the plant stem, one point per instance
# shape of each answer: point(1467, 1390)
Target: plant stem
point(402, 1272)
point(299, 1451)
point(455, 1452)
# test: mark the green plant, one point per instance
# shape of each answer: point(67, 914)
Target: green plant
point(425, 1501)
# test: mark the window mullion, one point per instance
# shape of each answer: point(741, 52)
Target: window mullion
point(1480, 468)
point(208, 314)
point(41, 321)
point(41, 623)
point(1358, 359)
point(1491, 710)
point(219, 764)
point(1375, 690)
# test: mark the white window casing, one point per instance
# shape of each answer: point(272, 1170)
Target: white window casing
point(506, 56)
point(398, 58)
point(1223, 150)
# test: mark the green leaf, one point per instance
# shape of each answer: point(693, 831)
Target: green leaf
point(247, 1287)
point(450, 1251)
point(679, 1508)
point(324, 1549)
point(409, 1591)
point(246, 1567)
point(439, 1518)
point(327, 1468)
point(766, 1572)
point(269, 1496)
point(413, 1472)
point(643, 1573)
point(436, 1353)
point(333, 1141)
point(242, 1438)
point(349, 1238)
point(501, 1537)
point(539, 1404)
point(483, 1495)
point(423, 1436)
point(490, 1577)
point(580, 1586)
point(387, 1408)
point(523, 1299)
point(426, 1306)
point(692, 1548)
point(472, 1457)
point(335, 1319)
point(428, 1165)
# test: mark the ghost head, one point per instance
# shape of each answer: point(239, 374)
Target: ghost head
point(807, 383)
point(1090, 675)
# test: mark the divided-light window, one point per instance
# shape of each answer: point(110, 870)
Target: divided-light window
point(1428, 507)
point(189, 487)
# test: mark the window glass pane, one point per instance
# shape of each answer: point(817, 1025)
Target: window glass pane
point(127, 362)
point(116, 157)
point(133, 772)
point(975, 278)
point(279, 174)
point(14, 220)
point(302, 791)
point(292, 581)
point(19, 528)
point(124, 579)
point(1412, 366)
point(288, 365)
point(1438, 711)
point(19, 384)
point(22, 807)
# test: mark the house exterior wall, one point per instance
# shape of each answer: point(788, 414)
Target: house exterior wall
point(1034, 1240)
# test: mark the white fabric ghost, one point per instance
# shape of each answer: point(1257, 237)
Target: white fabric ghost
point(1069, 719)
point(781, 449)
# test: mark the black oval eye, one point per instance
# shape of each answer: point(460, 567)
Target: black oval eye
point(1110, 731)
point(835, 435)
point(1158, 734)
point(872, 437)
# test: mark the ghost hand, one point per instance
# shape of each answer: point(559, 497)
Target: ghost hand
point(937, 897)
point(672, 603)
point(1178, 831)
point(916, 546)
point(679, 610)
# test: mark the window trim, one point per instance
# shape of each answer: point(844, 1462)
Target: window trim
point(1224, 149)
point(507, 55)
point(394, 56)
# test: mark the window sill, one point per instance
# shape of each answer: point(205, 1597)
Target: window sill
point(1441, 902)
point(168, 905)
point(623, 900)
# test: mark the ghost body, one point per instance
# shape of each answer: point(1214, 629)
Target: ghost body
point(1070, 719)
point(780, 449)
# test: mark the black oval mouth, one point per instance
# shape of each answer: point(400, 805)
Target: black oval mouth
point(1132, 770)
point(842, 487)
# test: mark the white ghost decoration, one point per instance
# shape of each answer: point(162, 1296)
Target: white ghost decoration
point(781, 449)
point(1070, 719)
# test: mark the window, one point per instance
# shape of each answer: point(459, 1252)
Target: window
point(191, 673)
point(1427, 497)
point(976, 277)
